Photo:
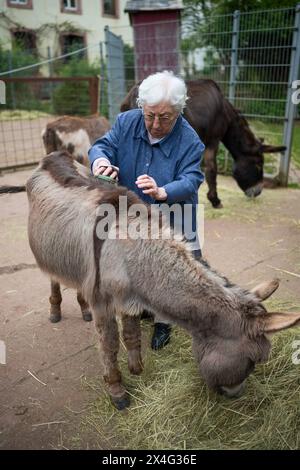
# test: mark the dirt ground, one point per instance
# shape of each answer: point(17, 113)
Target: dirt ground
point(42, 385)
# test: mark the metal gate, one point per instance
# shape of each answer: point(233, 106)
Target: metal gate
point(116, 89)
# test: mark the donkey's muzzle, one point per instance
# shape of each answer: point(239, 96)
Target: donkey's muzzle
point(233, 392)
point(254, 191)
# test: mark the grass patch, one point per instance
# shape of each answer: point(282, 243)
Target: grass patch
point(296, 145)
point(173, 409)
point(237, 206)
point(294, 185)
point(273, 134)
point(16, 114)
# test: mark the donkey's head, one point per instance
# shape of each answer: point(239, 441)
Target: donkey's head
point(247, 151)
point(228, 353)
point(248, 168)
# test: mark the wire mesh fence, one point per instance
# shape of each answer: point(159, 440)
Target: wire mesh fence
point(32, 99)
point(31, 103)
point(254, 57)
point(251, 56)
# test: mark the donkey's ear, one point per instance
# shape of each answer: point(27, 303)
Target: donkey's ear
point(264, 290)
point(275, 322)
point(272, 148)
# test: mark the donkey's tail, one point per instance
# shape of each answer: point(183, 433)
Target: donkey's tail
point(12, 189)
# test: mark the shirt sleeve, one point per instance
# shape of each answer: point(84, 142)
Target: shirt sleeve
point(107, 146)
point(188, 176)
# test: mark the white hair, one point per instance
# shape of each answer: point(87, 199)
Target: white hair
point(163, 87)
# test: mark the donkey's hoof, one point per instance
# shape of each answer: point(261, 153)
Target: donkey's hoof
point(87, 316)
point(121, 402)
point(218, 206)
point(55, 317)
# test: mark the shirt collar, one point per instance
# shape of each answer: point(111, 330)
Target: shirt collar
point(168, 142)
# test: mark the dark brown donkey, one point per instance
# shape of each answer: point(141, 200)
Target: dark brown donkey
point(215, 119)
point(120, 276)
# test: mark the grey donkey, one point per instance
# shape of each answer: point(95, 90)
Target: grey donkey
point(121, 277)
point(75, 135)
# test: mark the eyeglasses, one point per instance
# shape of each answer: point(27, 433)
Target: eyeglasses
point(164, 119)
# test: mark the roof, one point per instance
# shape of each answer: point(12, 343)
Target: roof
point(149, 5)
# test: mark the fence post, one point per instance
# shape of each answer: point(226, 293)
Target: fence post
point(102, 79)
point(290, 108)
point(109, 72)
point(50, 61)
point(234, 55)
point(12, 86)
point(94, 94)
point(50, 64)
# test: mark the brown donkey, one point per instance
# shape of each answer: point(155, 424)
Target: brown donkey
point(123, 276)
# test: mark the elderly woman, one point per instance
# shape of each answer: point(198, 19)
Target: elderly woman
point(155, 153)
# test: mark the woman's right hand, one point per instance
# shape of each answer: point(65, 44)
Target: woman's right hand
point(104, 169)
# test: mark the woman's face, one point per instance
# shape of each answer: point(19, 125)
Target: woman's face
point(159, 119)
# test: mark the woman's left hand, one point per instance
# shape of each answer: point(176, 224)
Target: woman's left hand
point(149, 186)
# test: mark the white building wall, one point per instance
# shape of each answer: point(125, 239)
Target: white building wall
point(91, 21)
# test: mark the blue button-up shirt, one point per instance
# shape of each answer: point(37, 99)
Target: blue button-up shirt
point(173, 162)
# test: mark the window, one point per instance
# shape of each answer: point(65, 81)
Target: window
point(71, 42)
point(71, 6)
point(25, 39)
point(110, 7)
point(20, 3)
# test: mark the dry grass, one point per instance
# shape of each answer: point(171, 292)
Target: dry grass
point(20, 114)
point(236, 205)
point(172, 408)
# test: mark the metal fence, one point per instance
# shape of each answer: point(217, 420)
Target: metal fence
point(255, 57)
point(31, 103)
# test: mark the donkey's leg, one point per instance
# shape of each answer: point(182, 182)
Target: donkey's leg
point(107, 328)
point(55, 301)
point(86, 314)
point(210, 159)
point(132, 340)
